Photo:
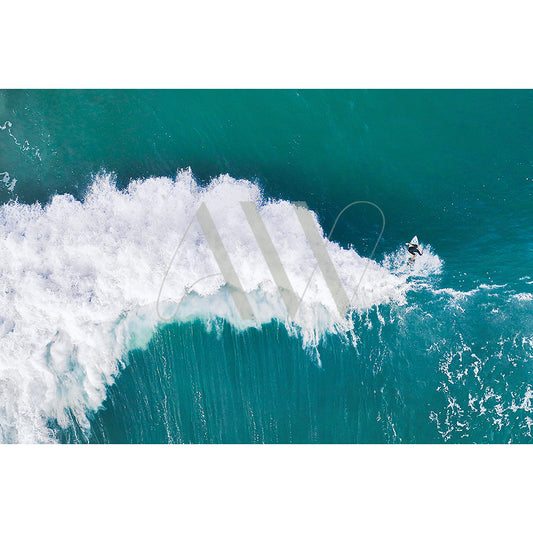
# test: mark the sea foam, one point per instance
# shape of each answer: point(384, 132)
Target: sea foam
point(80, 282)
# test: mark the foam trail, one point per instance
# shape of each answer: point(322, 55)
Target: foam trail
point(79, 283)
point(24, 146)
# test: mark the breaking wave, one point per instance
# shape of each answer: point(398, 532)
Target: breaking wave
point(80, 282)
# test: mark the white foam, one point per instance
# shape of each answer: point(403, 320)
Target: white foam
point(490, 287)
point(24, 146)
point(423, 267)
point(455, 294)
point(523, 296)
point(79, 283)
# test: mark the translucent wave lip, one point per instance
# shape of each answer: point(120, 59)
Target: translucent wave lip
point(80, 281)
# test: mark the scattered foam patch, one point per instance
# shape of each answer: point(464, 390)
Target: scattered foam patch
point(523, 296)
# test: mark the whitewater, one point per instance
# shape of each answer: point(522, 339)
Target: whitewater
point(80, 282)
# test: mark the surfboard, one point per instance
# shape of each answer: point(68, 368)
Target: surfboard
point(414, 240)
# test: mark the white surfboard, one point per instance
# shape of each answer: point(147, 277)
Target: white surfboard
point(414, 240)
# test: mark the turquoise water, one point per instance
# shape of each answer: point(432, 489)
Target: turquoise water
point(439, 354)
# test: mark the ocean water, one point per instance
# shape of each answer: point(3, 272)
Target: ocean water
point(97, 189)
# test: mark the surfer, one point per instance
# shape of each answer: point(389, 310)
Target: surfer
point(413, 248)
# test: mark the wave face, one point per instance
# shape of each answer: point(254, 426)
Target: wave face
point(81, 284)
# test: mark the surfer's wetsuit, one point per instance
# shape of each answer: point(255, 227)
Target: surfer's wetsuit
point(413, 248)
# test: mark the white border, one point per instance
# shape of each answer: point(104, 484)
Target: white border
point(265, 488)
point(274, 44)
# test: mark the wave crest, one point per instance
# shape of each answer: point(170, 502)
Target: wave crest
point(80, 281)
